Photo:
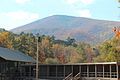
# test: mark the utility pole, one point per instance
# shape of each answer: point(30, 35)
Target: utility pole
point(37, 70)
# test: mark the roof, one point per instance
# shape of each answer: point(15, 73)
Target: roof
point(13, 55)
point(99, 63)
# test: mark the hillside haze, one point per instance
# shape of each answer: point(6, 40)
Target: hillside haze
point(62, 26)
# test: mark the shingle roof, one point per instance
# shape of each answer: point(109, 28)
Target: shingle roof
point(13, 55)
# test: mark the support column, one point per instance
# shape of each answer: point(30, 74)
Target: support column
point(30, 71)
point(72, 69)
point(80, 69)
point(110, 71)
point(117, 71)
point(95, 71)
point(103, 70)
point(47, 71)
point(56, 70)
point(64, 70)
point(87, 70)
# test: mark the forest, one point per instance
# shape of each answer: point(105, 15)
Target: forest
point(54, 51)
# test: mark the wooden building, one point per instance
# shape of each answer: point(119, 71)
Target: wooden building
point(15, 65)
point(10, 61)
point(77, 71)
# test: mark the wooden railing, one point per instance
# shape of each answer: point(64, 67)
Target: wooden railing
point(68, 77)
point(76, 77)
point(31, 76)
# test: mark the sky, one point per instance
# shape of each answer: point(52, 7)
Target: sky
point(15, 13)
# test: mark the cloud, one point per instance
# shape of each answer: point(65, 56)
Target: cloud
point(84, 13)
point(72, 1)
point(17, 18)
point(86, 2)
point(22, 1)
point(21, 15)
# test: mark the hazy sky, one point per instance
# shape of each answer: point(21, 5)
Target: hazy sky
point(14, 13)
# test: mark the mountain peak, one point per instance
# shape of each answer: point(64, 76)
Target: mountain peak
point(62, 26)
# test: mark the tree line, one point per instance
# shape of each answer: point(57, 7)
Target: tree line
point(54, 51)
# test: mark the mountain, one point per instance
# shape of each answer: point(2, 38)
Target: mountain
point(62, 26)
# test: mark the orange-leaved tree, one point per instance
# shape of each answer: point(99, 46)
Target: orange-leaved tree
point(5, 39)
point(117, 32)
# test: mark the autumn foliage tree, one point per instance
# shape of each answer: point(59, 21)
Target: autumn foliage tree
point(6, 39)
point(50, 50)
point(117, 32)
point(58, 52)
